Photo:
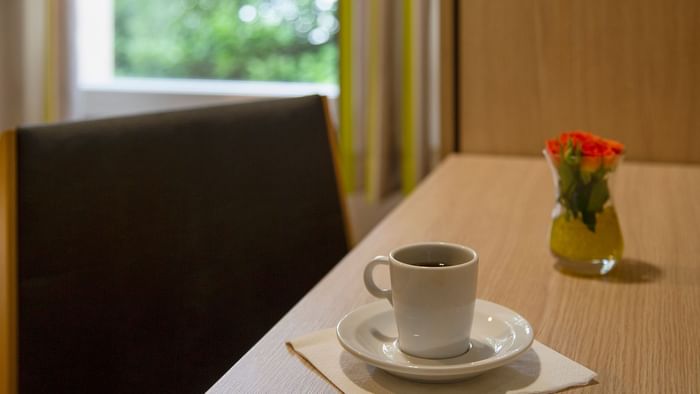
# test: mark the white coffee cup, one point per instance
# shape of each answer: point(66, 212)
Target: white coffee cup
point(433, 304)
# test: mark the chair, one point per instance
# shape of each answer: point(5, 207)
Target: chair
point(152, 251)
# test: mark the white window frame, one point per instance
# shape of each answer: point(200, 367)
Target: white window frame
point(100, 93)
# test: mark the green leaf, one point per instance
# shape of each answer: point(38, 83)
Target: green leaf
point(586, 177)
point(579, 199)
point(567, 178)
point(589, 220)
point(599, 196)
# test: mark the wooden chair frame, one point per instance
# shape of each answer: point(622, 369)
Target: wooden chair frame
point(8, 261)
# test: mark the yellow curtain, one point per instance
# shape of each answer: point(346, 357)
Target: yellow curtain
point(37, 66)
point(389, 124)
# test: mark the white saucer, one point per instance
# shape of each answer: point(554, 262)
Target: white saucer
point(498, 337)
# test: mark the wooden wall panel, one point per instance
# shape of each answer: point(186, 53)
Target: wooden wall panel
point(626, 69)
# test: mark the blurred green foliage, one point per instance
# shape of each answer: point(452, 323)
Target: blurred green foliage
point(264, 40)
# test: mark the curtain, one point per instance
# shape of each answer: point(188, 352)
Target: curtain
point(37, 75)
point(390, 100)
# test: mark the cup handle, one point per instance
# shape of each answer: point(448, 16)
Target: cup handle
point(369, 282)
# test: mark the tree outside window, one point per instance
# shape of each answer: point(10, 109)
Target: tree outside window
point(259, 40)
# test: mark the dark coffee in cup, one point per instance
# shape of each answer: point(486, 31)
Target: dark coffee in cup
point(432, 264)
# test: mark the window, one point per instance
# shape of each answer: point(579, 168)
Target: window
point(258, 40)
point(137, 56)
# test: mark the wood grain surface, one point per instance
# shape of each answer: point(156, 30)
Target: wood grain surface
point(625, 69)
point(636, 327)
point(8, 262)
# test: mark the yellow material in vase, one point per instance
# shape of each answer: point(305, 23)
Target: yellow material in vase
point(572, 240)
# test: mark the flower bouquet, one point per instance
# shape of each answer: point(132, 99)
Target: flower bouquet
point(585, 234)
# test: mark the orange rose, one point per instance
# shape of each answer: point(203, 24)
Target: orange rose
point(594, 150)
point(553, 146)
point(577, 137)
point(590, 163)
point(615, 146)
point(610, 157)
point(591, 147)
point(554, 150)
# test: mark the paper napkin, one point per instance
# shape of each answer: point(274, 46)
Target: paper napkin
point(539, 370)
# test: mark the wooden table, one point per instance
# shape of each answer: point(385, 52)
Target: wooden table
point(638, 327)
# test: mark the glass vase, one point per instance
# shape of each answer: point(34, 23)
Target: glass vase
point(584, 235)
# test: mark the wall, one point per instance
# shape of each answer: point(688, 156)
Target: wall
point(626, 69)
